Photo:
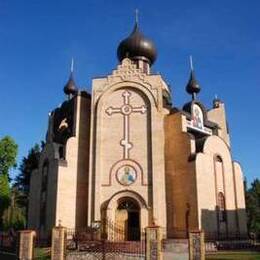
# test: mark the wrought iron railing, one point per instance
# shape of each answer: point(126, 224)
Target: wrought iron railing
point(107, 239)
point(9, 242)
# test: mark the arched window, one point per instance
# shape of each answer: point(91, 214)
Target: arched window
point(61, 152)
point(218, 159)
point(221, 207)
point(219, 180)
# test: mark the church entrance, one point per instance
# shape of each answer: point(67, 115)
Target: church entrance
point(127, 219)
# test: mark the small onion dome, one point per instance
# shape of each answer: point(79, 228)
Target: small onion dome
point(193, 86)
point(70, 88)
point(137, 46)
point(216, 102)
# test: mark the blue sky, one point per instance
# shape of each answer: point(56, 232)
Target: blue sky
point(38, 39)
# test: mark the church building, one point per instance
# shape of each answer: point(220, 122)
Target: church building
point(125, 155)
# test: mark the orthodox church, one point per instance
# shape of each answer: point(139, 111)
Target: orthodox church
point(124, 154)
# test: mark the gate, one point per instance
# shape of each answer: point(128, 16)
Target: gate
point(92, 243)
point(8, 244)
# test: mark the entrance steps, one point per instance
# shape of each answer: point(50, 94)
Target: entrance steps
point(175, 245)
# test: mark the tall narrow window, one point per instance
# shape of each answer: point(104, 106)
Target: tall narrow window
point(219, 177)
point(221, 207)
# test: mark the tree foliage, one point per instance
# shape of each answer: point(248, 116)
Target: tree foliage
point(29, 163)
point(4, 194)
point(253, 207)
point(14, 216)
point(8, 153)
point(22, 180)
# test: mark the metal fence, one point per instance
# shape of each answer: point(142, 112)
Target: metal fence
point(9, 242)
point(90, 243)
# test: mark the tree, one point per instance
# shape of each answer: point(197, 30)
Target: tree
point(29, 163)
point(4, 194)
point(8, 153)
point(253, 207)
point(14, 216)
point(22, 180)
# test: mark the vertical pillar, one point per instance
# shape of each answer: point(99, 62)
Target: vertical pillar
point(196, 245)
point(153, 243)
point(26, 244)
point(58, 243)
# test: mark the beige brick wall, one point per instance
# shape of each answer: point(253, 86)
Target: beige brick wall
point(34, 198)
point(190, 178)
point(206, 192)
point(208, 188)
point(72, 191)
point(67, 189)
point(218, 115)
point(180, 177)
point(240, 198)
point(146, 134)
point(50, 155)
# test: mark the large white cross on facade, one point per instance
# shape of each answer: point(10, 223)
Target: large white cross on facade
point(126, 110)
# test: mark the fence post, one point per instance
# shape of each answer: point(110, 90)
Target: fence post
point(153, 243)
point(196, 245)
point(26, 244)
point(58, 243)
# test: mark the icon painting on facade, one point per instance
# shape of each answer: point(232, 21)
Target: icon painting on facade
point(126, 175)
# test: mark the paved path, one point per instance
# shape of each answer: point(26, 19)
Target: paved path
point(175, 256)
point(7, 256)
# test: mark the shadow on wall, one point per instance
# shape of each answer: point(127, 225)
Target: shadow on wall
point(83, 162)
point(224, 224)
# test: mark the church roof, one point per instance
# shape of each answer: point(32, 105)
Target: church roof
point(137, 46)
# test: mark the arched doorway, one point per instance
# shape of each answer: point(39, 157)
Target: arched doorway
point(127, 218)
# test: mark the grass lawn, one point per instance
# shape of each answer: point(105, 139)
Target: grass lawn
point(42, 253)
point(241, 255)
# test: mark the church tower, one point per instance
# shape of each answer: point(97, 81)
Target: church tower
point(127, 167)
point(59, 187)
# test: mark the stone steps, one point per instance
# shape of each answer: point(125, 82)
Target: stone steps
point(175, 245)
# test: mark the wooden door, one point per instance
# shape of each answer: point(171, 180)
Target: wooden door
point(121, 224)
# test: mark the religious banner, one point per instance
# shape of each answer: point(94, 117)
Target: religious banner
point(196, 245)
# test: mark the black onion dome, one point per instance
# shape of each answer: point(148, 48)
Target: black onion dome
point(137, 46)
point(192, 85)
point(70, 87)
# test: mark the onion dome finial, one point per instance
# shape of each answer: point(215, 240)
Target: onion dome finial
point(216, 102)
point(70, 89)
point(136, 46)
point(192, 86)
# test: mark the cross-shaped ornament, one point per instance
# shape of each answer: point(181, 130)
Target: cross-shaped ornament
point(126, 110)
